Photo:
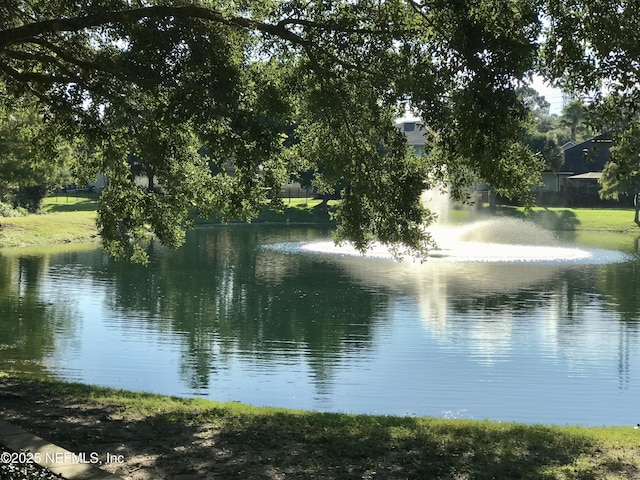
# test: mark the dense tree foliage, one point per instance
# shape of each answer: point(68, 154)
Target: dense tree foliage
point(32, 156)
point(160, 80)
point(545, 145)
point(540, 137)
point(621, 174)
point(574, 123)
point(536, 103)
point(594, 47)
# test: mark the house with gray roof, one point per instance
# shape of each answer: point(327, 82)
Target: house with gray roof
point(582, 161)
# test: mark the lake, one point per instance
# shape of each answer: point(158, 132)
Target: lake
point(267, 315)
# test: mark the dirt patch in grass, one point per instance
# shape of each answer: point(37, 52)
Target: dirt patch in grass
point(168, 438)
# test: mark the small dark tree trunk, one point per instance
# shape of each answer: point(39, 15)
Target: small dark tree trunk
point(324, 205)
point(636, 203)
point(150, 177)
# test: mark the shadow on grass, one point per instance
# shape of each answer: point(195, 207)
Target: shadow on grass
point(237, 442)
point(84, 206)
point(357, 447)
point(301, 213)
point(558, 220)
point(72, 203)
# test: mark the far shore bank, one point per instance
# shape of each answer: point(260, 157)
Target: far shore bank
point(163, 437)
point(71, 219)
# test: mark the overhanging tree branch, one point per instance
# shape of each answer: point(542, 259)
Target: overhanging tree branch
point(89, 66)
point(40, 58)
point(332, 26)
point(36, 77)
point(234, 81)
point(33, 32)
point(30, 31)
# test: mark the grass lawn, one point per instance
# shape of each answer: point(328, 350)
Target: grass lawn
point(593, 219)
point(62, 227)
point(586, 219)
point(296, 210)
point(166, 437)
point(72, 202)
point(64, 219)
point(71, 218)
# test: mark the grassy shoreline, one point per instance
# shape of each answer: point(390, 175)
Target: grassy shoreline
point(71, 219)
point(619, 220)
point(48, 229)
point(64, 219)
point(165, 437)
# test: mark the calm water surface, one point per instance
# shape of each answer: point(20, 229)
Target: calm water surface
point(243, 313)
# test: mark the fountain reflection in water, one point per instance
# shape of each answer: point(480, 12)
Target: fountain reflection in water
point(457, 292)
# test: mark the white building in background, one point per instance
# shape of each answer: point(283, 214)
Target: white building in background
point(415, 132)
point(99, 183)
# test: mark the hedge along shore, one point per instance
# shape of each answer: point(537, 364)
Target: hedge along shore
point(162, 437)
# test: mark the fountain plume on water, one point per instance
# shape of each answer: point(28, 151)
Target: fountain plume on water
point(485, 240)
point(506, 230)
point(438, 201)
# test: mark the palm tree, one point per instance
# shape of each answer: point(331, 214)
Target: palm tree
point(572, 115)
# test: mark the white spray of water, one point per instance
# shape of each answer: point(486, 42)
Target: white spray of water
point(487, 240)
point(503, 230)
point(438, 202)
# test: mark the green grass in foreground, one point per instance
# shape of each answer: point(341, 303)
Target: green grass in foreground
point(321, 445)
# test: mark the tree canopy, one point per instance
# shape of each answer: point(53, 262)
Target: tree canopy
point(594, 47)
point(32, 156)
point(166, 81)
